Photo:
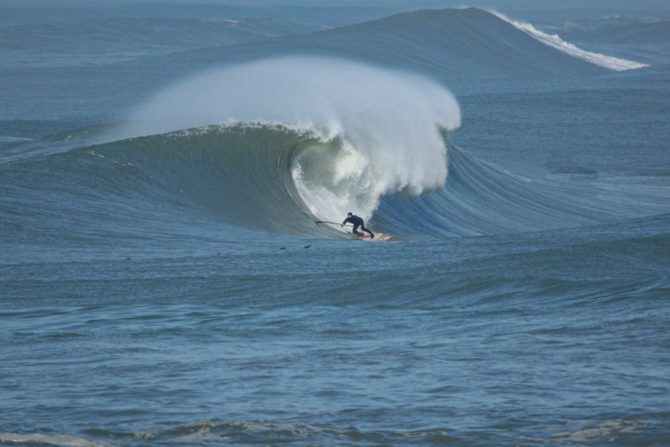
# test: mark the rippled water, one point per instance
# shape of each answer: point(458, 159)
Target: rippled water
point(530, 339)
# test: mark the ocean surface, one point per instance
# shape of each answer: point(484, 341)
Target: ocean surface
point(163, 281)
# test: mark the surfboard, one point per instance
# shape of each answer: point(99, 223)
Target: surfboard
point(379, 237)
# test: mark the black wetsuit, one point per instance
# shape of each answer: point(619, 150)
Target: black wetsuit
point(358, 222)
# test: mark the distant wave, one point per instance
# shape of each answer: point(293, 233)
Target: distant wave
point(553, 40)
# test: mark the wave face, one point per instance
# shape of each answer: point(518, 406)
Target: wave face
point(553, 40)
point(255, 176)
point(362, 132)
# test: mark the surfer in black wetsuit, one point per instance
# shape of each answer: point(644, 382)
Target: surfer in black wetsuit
point(357, 222)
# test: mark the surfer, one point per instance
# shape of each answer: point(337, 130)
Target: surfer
point(357, 222)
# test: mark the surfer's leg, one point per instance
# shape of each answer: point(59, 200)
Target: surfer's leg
point(355, 230)
point(372, 235)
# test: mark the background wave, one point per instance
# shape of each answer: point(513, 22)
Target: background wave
point(555, 41)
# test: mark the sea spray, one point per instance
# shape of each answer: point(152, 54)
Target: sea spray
point(386, 124)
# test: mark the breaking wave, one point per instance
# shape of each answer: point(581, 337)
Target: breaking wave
point(371, 131)
point(555, 41)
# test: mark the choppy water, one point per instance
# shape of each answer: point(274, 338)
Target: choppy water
point(162, 281)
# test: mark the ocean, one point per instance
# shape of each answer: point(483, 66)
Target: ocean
point(163, 280)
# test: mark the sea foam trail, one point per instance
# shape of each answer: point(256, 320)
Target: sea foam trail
point(555, 41)
point(386, 124)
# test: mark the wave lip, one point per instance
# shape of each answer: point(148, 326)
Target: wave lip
point(555, 41)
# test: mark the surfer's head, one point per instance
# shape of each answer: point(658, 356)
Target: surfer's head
point(350, 214)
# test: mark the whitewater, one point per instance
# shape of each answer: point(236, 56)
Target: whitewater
point(555, 41)
point(163, 281)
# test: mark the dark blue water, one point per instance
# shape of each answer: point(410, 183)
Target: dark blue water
point(171, 287)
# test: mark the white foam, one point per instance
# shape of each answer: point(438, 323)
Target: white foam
point(60, 440)
point(385, 122)
point(606, 430)
point(555, 41)
point(11, 139)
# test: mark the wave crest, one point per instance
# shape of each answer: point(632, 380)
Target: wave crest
point(555, 41)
